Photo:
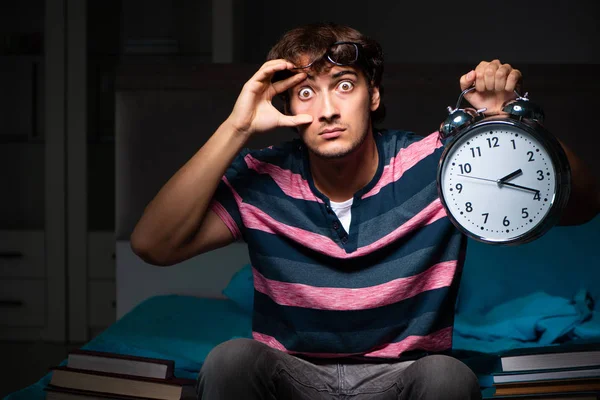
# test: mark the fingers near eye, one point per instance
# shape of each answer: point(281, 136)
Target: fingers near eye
point(268, 69)
point(283, 85)
point(295, 120)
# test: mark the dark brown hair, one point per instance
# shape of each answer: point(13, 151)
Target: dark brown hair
point(312, 41)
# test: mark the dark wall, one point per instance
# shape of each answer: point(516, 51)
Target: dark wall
point(437, 34)
point(516, 31)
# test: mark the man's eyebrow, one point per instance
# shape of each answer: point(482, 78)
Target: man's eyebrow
point(336, 75)
point(344, 72)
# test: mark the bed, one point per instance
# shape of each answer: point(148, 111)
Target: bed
point(533, 295)
point(525, 296)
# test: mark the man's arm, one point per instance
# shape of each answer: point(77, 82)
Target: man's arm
point(584, 201)
point(175, 225)
point(168, 231)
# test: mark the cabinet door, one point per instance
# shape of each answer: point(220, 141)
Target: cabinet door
point(22, 254)
point(22, 303)
point(21, 98)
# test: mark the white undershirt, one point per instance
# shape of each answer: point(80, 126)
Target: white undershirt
point(343, 212)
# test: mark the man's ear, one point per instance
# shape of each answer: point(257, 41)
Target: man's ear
point(375, 98)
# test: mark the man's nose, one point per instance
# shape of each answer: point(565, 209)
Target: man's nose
point(329, 110)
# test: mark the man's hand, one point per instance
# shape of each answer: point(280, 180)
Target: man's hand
point(494, 85)
point(254, 111)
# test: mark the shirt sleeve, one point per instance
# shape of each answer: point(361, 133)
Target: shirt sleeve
point(227, 200)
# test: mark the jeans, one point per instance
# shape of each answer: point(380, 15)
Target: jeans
point(248, 369)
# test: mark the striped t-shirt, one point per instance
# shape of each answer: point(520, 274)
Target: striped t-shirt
point(385, 290)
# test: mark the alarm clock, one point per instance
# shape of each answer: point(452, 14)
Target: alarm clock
point(502, 179)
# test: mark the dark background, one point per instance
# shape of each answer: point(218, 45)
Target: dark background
point(174, 44)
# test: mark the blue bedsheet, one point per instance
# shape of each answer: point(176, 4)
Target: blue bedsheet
point(538, 319)
point(185, 329)
point(180, 328)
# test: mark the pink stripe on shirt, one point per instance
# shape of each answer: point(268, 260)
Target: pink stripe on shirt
point(218, 209)
point(437, 341)
point(345, 299)
point(433, 212)
point(290, 183)
point(255, 218)
point(404, 160)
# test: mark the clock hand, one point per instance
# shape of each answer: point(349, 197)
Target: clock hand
point(504, 183)
point(481, 179)
point(510, 176)
point(521, 187)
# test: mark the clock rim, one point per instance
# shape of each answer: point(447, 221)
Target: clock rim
point(562, 176)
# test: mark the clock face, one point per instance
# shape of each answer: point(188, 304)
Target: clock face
point(497, 182)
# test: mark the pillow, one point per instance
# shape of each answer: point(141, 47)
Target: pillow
point(240, 289)
point(560, 263)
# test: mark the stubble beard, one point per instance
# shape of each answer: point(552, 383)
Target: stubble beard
point(340, 153)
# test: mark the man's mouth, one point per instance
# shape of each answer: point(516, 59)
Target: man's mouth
point(331, 133)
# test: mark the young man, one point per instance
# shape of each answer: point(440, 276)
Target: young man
point(355, 262)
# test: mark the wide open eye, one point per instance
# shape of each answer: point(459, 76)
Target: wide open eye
point(305, 93)
point(346, 86)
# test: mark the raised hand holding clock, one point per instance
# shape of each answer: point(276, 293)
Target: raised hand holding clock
point(495, 84)
point(502, 129)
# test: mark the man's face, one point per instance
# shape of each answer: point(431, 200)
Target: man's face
point(338, 100)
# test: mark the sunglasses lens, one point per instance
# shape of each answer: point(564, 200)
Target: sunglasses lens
point(343, 54)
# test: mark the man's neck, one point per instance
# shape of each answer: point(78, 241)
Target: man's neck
point(340, 179)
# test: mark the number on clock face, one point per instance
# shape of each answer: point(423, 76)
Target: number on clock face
point(498, 183)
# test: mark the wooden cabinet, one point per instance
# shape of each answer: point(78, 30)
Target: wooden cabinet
point(24, 295)
point(22, 254)
point(23, 303)
point(21, 102)
point(26, 304)
point(57, 278)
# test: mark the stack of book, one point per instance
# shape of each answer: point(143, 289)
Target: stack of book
point(101, 375)
point(553, 372)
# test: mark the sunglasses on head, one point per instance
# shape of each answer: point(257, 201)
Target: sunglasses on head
point(339, 53)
